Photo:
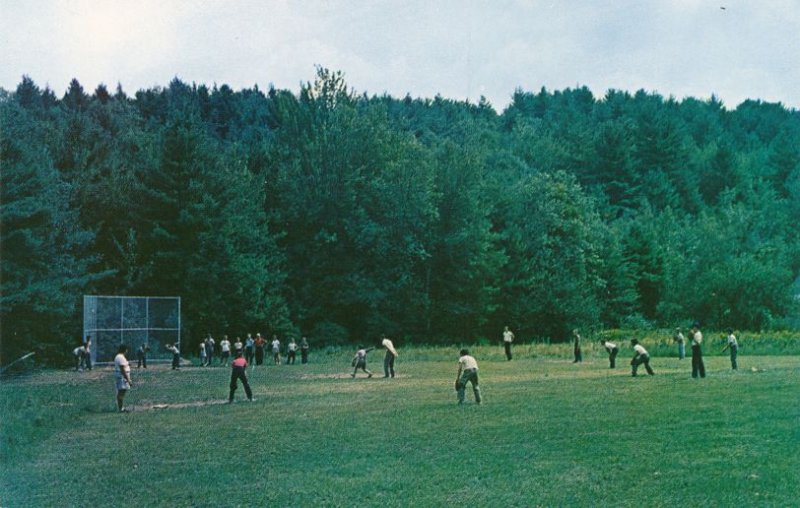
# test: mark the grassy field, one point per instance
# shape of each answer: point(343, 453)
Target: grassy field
point(550, 433)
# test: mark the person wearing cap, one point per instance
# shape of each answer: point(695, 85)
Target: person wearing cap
point(467, 372)
point(612, 350)
point(388, 360)
point(733, 346)
point(681, 341)
point(698, 367)
point(640, 357)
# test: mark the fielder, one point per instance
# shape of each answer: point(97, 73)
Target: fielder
point(733, 345)
point(467, 372)
point(613, 351)
point(640, 357)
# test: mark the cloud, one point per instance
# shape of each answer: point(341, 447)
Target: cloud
point(454, 48)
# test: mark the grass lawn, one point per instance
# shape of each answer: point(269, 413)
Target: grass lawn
point(550, 433)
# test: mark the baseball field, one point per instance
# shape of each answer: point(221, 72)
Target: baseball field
point(548, 433)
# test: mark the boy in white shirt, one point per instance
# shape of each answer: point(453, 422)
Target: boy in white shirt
point(360, 361)
point(224, 350)
point(640, 357)
point(508, 339)
point(613, 351)
point(733, 346)
point(467, 372)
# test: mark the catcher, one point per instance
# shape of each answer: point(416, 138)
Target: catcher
point(467, 372)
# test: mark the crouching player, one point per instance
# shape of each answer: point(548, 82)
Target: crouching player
point(641, 357)
point(612, 350)
point(238, 371)
point(467, 372)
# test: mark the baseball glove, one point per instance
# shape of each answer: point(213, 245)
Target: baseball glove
point(458, 385)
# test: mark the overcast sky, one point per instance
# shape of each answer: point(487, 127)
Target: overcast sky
point(734, 49)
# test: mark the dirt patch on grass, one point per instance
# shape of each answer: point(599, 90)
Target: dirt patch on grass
point(149, 406)
point(340, 375)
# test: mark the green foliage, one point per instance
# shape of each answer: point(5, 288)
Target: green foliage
point(552, 278)
point(45, 253)
point(342, 216)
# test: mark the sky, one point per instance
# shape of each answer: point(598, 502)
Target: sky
point(733, 49)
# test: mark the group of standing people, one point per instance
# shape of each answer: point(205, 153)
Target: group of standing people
point(252, 349)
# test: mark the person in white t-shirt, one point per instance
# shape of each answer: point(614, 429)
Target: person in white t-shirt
point(733, 345)
point(291, 351)
point(467, 372)
point(79, 352)
point(224, 350)
point(508, 339)
point(122, 375)
point(276, 350)
point(612, 350)
point(360, 361)
point(176, 355)
point(388, 359)
point(640, 357)
point(698, 367)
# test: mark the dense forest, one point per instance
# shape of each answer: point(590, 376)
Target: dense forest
point(341, 216)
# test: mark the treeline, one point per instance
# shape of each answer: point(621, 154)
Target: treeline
point(342, 216)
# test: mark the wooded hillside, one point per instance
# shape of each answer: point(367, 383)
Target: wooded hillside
point(342, 216)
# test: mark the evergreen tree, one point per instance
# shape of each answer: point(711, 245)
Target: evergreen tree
point(44, 251)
